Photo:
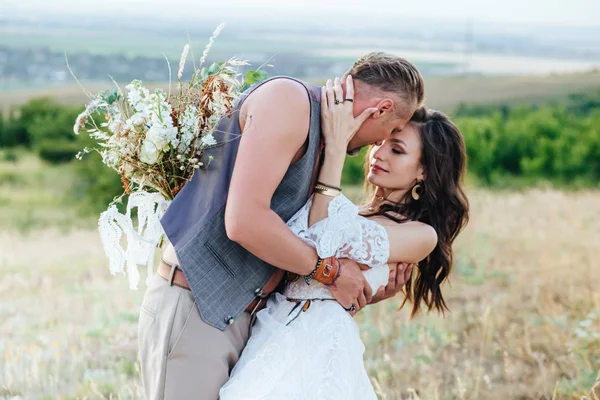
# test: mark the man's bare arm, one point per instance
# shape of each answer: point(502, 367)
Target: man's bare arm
point(276, 125)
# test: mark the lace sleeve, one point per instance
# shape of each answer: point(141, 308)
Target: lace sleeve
point(343, 233)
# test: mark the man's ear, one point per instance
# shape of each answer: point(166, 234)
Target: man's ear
point(384, 106)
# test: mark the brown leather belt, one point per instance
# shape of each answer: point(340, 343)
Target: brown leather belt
point(178, 279)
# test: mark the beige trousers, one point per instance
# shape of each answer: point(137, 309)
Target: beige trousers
point(181, 356)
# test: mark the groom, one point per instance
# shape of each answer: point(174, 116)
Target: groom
point(230, 245)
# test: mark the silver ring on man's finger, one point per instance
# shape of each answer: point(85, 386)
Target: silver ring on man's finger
point(350, 100)
point(351, 309)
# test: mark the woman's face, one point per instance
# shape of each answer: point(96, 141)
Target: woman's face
point(396, 164)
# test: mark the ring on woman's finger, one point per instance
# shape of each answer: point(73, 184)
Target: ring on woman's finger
point(337, 101)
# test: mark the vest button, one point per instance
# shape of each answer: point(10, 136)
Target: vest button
point(258, 292)
point(229, 320)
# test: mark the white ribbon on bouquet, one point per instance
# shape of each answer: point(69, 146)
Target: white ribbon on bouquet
point(142, 240)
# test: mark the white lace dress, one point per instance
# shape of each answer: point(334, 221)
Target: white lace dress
point(304, 345)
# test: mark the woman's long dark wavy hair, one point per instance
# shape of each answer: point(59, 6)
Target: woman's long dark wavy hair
point(442, 205)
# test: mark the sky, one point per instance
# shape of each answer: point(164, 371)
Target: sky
point(539, 12)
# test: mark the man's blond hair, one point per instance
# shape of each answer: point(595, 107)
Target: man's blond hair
point(394, 75)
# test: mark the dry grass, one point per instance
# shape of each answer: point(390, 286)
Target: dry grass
point(524, 300)
point(524, 322)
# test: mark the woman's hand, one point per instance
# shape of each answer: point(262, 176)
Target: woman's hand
point(399, 275)
point(338, 124)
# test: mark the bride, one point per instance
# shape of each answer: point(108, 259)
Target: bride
point(305, 345)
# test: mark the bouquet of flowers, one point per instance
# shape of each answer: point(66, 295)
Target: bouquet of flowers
point(156, 141)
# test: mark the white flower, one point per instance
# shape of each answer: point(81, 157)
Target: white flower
point(115, 125)
point(171, 136)
point(110, 158)
point(137, 94)
point(208, 140)
point(161, 137)
point(80, 122)
point(157, 136)
point(188, 127)
point(149, 153)
point(139, 118)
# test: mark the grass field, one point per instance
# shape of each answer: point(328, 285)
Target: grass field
point(442, 93)
point(524, 302)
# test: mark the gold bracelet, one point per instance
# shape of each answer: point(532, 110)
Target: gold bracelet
point(329, 186)
point(325, 191)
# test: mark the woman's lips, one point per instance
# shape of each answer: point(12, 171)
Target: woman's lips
point(376, 168)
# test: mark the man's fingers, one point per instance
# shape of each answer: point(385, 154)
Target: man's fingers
point(392, 279)
point(362, 301)
point(400, 275)
point(363, 267)
point(368, 295)
point(347, 303)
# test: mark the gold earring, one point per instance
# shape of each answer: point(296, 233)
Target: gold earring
point(415, 191)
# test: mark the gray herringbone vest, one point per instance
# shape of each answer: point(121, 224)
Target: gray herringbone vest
point(224, 277)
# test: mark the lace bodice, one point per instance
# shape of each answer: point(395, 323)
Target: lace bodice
point(343, 234)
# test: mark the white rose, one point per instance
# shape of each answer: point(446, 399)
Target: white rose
point(157, 136)
point(138, 119)
point(149, 153)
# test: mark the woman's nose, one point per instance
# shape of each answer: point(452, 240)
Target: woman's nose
point(378, 153)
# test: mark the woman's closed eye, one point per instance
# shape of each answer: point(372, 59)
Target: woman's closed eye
point(398, 151)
